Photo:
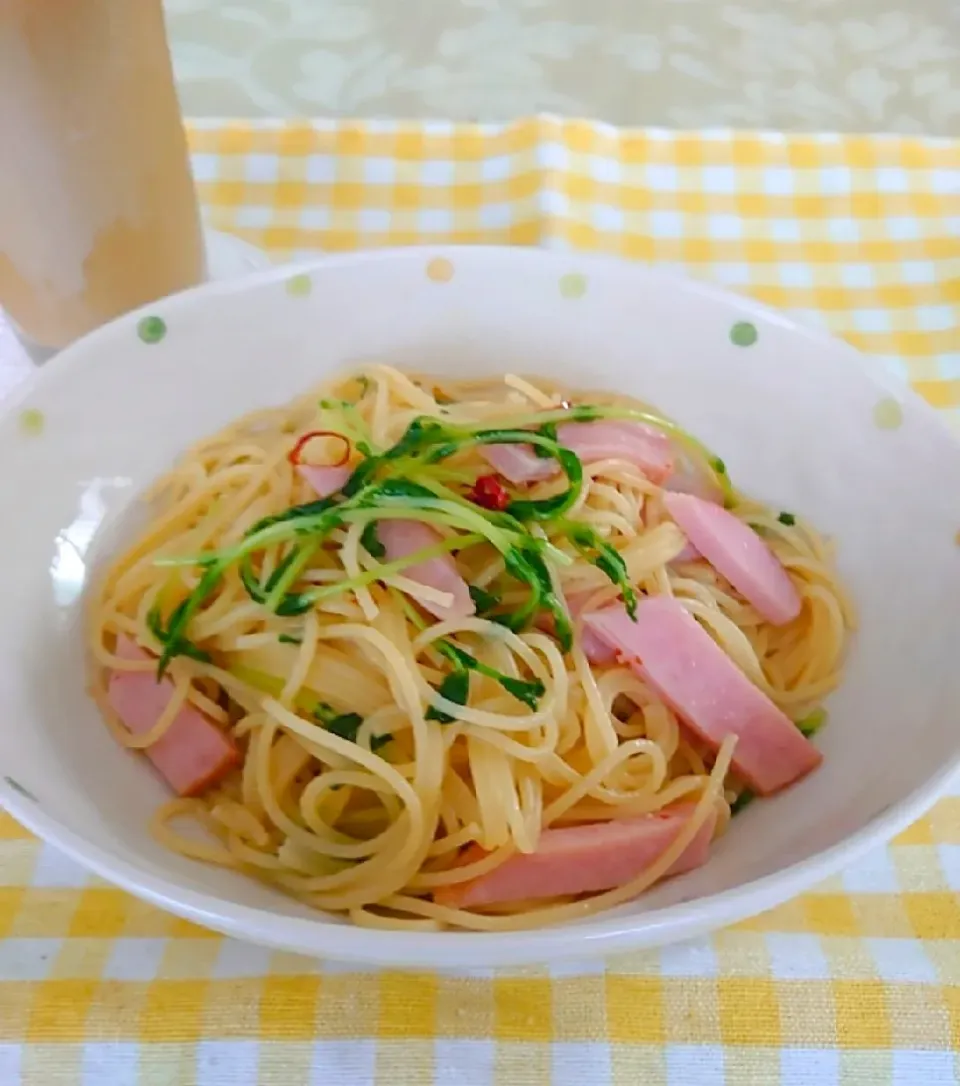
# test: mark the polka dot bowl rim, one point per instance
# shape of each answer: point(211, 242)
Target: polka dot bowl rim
point(799, 418)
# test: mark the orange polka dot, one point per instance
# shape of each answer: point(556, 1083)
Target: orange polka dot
point(440, 270)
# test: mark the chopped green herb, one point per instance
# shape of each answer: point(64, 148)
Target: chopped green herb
point(787, 518)
point(527, 691)
point(289, 604)
point(410, 480)
point(282, 567)
point(548, 430)
point(745, 798)
point(456, 688)
point(345, 725)
point(371, 541)
point(812, 722)
point(605, 557)
point(173, 644)
point(483, 600)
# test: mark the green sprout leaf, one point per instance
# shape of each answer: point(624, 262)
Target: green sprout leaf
point(371, 541)
point(456, 688)
point(812, 722)
point(745, 798)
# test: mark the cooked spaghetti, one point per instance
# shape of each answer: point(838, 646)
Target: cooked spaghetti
point(476, 654)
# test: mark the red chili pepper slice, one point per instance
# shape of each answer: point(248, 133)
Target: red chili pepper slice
point(294, 456)
point(489, 493)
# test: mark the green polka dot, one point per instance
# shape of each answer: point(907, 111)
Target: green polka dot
point(152, 329)
point(299, 286)
point(888, 414)
point(440, 270)
point(31, 421)
point(743, 334)
point(573, 285)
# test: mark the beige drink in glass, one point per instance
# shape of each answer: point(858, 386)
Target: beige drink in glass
point(97, 208)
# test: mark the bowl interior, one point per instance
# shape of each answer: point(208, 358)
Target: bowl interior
point(800, 420)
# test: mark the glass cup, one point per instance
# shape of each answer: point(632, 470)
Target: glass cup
point(98, 213)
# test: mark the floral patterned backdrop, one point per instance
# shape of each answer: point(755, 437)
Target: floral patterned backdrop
point(866, 65)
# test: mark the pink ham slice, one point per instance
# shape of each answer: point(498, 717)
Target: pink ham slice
point(651, 451)
point(669, 648)
point(193, 753)
point(688, 554)
point(519, 463)
point(686, 479)
point(403, 537)
point(736, 552)
point(325, 480)
point(583, 860)
point(596, 650)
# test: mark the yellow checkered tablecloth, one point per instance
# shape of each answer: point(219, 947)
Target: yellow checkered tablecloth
point(857, 982)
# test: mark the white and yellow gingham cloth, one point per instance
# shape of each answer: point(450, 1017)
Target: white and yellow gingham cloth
point(856, 983)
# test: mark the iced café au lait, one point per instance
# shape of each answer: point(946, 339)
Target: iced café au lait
point(97, 208)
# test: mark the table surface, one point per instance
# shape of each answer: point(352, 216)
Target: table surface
point(802, 65)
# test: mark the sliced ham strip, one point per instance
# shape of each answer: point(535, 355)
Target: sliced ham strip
point(582, 860)
point(688, 554)
point(736, 552)
point(193, 753)
point(596, 650)
point(403, 537)
point(687, 479)
point(669, 648)
point(325, 480)
point(651, 451)
point(519, 463)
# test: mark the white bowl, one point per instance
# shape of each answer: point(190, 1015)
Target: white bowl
point(800, 419)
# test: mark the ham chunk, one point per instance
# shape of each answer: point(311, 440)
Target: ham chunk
point(612, 439)
point(736, 552)
point(648, 449)
point(401, 538)
point(519, 463)
point(682, 662)
point(193, 753)
point(325, 480)
point(596, 650)
point(582, 860)
point(688, 554)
